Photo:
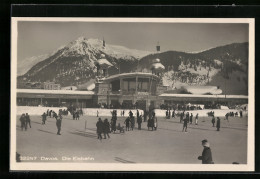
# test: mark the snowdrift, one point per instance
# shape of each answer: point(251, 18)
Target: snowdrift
point(202, 90)
point(31, 110)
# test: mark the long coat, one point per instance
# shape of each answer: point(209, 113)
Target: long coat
point(127, 121)
point(58, 121)
point(99, 127)
point(132, 121)
point(206, 156)
point(213, 120)
point(106, 127)
point(218, 123)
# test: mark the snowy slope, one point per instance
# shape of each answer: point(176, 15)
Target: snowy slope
point(82, 46)
point(85, 46)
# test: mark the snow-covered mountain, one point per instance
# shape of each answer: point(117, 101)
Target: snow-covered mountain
point(84, 47)
point(224, 66)
point(74, 65)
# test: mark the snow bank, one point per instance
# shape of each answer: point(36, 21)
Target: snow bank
point(32, 110)
point(202, 113)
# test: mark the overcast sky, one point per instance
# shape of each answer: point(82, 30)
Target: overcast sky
point(39, 38)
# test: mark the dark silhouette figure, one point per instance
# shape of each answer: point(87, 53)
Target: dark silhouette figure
point(206, 156)
point(127, 123)
point(213, 121)
point(58, 124)
point(22, 120)
point(44, 116)
point(99, 125)
point(218, 124)
point(27, 120)
point(106, 128)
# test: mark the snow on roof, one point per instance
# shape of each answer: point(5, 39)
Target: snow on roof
point(40, 91)
point(158, 66)
point(140, 74)
point(104, 63)
point(202, 89)
point(204, 96)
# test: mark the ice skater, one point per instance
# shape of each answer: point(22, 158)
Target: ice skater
point(213, 121)
point(58, 124)
point(206, 156)
point(106, 128)
point(99, 126)
point(27, 120)
point(218, 124)
point(22, 120)
point(127, 123)
point(44, 116)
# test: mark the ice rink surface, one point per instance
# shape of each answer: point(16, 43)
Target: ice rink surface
point(166, 145)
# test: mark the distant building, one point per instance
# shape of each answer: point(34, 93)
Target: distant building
point(51, 86)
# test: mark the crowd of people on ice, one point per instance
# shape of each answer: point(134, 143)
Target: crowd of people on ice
point(105, 127)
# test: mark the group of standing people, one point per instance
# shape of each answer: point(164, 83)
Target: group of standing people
point(218, 122)
point(103, 127)
point(58, 118)
point(169, 114)
point(75, 115)
point(188, 119)
point(25, 121)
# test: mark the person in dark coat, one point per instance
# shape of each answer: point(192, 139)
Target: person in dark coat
point(106, 128)
point(77, 115)
point(218, 124)
point(27, 120)
point(130, 113)
point(213, 121)
point(191, 116)
point(185, 123)
point(166, 114)
point(139, 122)
point(127, 123)
point(73, 115)
point(145, 116)
point(132, 121)
point(113, 124)
point(150, 123)
point(241, 113)
point(181, 117)
point(58, 124)
point(55, 115)
point(188, 116)
point(99, 125)
point(50, 113)
point(206, 156)
point(173, 114)
point(137, 113)
point(22, 120)
point(44, 116)
point(227, 116)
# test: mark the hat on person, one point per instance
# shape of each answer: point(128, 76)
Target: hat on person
point(204, 141)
